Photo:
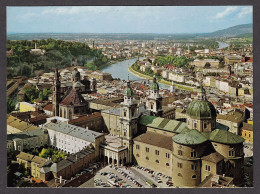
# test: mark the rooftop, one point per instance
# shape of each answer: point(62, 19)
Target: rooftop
point(155, 139)
point(75, 131)
point(162, 123)
point(189, 137)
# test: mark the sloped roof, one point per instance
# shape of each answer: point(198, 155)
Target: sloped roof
point(74, 98)
point(162, 123)
point(213, 157)
point(155, 139)
point(190, 137)
point(225, 137)
point(25, 156)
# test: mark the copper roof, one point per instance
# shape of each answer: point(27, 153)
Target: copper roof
point(74, 98)
point(155, 139)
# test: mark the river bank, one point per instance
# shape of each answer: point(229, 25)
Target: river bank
point(179, 86)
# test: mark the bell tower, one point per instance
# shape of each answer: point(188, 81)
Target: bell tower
point(56, 94)
point(128, 121)
point(154, 100)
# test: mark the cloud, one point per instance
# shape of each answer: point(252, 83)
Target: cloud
point(245, 11)
point(226, 12)
point(74, 10)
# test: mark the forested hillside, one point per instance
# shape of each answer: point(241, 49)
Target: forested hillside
point(58, 54)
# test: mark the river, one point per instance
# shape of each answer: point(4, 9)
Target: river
point(120, 70)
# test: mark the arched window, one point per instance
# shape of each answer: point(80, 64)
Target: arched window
point(147, 158)
point(157, 161)
point(179, 174)
point(194, 176)
point(167, 164)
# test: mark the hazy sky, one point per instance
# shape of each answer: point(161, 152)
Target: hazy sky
point(126, 19)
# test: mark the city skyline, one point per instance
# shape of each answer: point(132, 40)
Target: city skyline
point(125, 19)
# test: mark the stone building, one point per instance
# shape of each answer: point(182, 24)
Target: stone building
point(72, 139)
point(27, 140)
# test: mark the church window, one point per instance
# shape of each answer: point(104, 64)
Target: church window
point(124, 133)
point(137, 147)
point(151, 106)
point(137, 155)
point(194, 176)
point(167, 155)
point(167, 164)
point(179, 152)
point(157, 152)
point(193, 166)
point(193, 154)
point(205, 125)
point(147, 149)
point(207, 168)
point(179, 165)
point(195, 125)
point(231, 153)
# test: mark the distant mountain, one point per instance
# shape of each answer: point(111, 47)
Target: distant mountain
point(231, 31)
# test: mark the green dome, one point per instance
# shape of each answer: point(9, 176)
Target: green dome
point(128, 91)
point(154, 85)
point(201, 109)
point(189, 137)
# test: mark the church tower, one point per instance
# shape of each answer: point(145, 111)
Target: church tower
point(128, 121)
point(154, 100)
point(56, 94)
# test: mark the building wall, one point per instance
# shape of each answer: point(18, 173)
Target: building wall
point(66, 142)
point(112, 123)
point(148, 159)
point(233, 164)
point(215, 168)
point(25, 107)
point(26, 164)
point(168, 133)
point(30, 143)
point(233, 126)
point(247, 135)
point(201, 125)
point(183, 175)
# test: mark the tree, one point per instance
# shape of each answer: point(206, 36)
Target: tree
point(207, 65)
point(10, 105)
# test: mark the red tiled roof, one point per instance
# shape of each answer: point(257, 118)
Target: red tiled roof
point(48, 107)
point(74, 98)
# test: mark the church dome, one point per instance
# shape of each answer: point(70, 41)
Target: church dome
point(128, 91)
point(154, 85)
point(201, 109)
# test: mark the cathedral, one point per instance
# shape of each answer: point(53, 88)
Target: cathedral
point(72, 101)
point(189, 151)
